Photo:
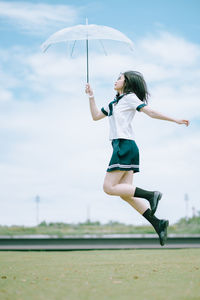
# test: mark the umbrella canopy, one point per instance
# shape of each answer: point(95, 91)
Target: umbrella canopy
point(86, 32)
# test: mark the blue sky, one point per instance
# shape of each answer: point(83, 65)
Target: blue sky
point(50, 146)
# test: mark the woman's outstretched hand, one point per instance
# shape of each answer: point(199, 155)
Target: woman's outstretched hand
point(186, 122)
point(88, 90)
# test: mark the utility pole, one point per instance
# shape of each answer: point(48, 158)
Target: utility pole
point(37, 200)
point(186, 198)
point(193, 212)
point(88, 213)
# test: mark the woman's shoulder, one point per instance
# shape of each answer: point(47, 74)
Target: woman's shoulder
point(132, 100)
point(130, 96)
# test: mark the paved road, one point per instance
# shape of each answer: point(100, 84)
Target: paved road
point(91, 242)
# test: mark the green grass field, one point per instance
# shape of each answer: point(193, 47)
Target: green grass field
point(117, 274)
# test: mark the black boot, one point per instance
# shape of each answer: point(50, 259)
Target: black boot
point(160, 226)
point(162, 232)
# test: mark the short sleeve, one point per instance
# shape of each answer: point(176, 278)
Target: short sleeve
point(134, 103)
point(141, 106)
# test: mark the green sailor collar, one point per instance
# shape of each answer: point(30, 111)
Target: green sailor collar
point(115, 101)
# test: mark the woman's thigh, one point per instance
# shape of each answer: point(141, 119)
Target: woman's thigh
point(127, 177)
point(113, 178)
point(117, 177)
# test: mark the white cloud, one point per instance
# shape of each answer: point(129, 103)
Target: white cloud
point(171, 50)
point(37, 17)
point(5, 95)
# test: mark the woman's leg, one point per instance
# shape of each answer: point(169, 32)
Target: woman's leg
point(114, 185)
point(121, 182)
point(137, 203)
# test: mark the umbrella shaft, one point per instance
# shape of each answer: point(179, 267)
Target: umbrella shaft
point(87, 61)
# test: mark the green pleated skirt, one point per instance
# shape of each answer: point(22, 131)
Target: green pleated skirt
point(125, 156)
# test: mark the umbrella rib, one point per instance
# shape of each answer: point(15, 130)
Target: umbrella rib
point(73, 48)
point(102, 45)
point(45, 49)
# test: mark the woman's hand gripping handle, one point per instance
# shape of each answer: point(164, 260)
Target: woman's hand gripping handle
point(95, 112)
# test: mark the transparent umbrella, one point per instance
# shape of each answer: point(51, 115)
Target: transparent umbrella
point(86, 32)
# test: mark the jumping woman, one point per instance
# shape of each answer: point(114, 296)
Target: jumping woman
point(132, 96)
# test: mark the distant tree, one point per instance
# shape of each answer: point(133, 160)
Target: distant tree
point(43, 224)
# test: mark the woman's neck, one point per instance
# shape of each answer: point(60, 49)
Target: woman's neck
point(120, 92)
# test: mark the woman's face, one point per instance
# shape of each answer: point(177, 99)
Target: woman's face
point(119, 84)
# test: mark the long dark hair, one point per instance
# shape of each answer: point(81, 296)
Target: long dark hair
point(135, 83)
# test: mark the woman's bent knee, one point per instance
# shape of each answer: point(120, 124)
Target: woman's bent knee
point(107, 189)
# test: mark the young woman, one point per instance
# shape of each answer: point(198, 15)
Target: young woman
point(131, 96)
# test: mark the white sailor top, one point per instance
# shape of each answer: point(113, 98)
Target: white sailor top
point(121, 112)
